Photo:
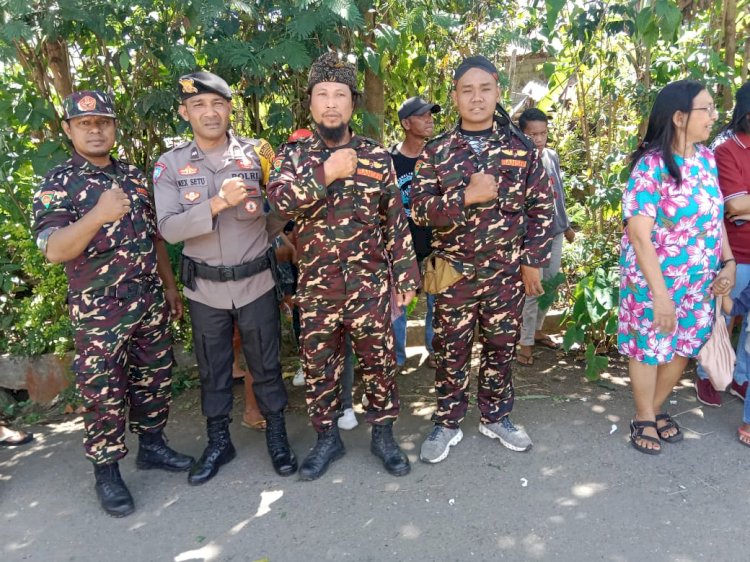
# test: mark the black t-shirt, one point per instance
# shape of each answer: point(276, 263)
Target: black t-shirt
point(421, 235)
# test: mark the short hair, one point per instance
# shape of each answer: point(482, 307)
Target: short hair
point(531, 114)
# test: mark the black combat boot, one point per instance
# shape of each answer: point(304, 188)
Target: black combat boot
point(384, 447)
point(219, 451)
point(282, 457)
point(328, 449)
point(153, 452)
point(113, 494)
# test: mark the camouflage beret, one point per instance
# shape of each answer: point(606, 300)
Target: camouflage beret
point(203, 83)
point(332, 67)
point(88, 102)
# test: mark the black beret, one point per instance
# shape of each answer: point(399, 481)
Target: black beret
point(203, 83)
point(474, 62)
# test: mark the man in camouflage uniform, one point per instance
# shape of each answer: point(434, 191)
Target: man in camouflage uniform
point(482, 188)
point(340, 189)
point(96, 215)
point(209, 195)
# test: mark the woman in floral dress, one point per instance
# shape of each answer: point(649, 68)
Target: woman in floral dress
point(671, 253)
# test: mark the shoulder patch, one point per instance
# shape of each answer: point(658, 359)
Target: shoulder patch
point(46, 197)
point(264, 150)
point(158, 169)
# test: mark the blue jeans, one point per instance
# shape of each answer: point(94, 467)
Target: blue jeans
point(742, 368)
point(399, 331)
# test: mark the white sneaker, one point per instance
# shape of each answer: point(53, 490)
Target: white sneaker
point(348, 420)
point(299, 378)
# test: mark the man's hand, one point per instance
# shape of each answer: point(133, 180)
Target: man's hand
point(341, 164)
point(532, 280)
point(481, 189)
point(174, 300)
point(233, 191)
point(112, 206)
point(403, 299)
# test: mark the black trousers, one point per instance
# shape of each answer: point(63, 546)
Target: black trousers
point(259, 327)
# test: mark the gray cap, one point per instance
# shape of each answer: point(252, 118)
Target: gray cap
point(416, 106)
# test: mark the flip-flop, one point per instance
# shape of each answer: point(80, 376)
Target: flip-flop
point(743, 433)
point(525, 359)
point(547, 342)
point(13, 442)
point(259, 425)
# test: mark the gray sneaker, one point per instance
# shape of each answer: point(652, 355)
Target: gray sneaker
point(514, 438)
point(438, 443)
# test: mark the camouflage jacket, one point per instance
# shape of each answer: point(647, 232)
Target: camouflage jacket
point(122, 250)
point(348, 230)
point(494, 235)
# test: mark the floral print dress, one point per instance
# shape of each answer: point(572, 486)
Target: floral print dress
point(687, 237)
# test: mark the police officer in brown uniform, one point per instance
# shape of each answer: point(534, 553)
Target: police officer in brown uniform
point(209, 195)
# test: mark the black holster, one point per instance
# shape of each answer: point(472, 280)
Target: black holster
point(187, 273)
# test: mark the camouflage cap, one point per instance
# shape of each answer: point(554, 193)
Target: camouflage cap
point(88, 102)
point(332, 67)
point(203, 83)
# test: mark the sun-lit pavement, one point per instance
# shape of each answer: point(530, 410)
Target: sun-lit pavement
point(582, 493)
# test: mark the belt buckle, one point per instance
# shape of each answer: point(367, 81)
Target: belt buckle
point(226, 273)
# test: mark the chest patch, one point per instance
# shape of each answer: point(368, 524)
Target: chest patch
point(188, 170)
point(515, 163)
point(192, 196)
point(251, 206)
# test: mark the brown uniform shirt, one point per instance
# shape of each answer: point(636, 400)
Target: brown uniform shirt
point(184, 181)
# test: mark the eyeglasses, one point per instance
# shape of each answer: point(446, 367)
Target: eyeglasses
point(710, 109)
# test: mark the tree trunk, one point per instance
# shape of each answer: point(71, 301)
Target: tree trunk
point(374, 88)
point(57, 58)
point(730, 46)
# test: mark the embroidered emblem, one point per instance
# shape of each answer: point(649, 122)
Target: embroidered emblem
point(513, 162)
point(188, 170)
point(277, 163)
point(142, 191)
point(87, 103)
point(188, 86)
point(418, 167)
point(244, 164)
point(192, 196)
point(46, 198)
point(370, 173)
point(265, 151)
point(251, 206)
point(158, 169)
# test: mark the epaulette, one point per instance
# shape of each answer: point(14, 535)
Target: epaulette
point(180, 146)
point(60, 169)
point(439, 137)
point(371, 141)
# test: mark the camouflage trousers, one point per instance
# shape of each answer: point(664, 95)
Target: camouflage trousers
point(324, 324)
point(495, 303)
point(123, 362)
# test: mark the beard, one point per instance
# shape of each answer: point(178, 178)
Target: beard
point(332, 134)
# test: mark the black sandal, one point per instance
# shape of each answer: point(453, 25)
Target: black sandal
point(671, 424)
point(636, 433)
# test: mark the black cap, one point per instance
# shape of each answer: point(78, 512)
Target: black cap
point(416, 106)
point(478, 61)
point(203, 83)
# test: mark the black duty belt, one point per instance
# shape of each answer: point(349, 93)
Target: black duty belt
point(228, 272)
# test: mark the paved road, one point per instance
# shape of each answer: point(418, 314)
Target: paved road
point(582, 493)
